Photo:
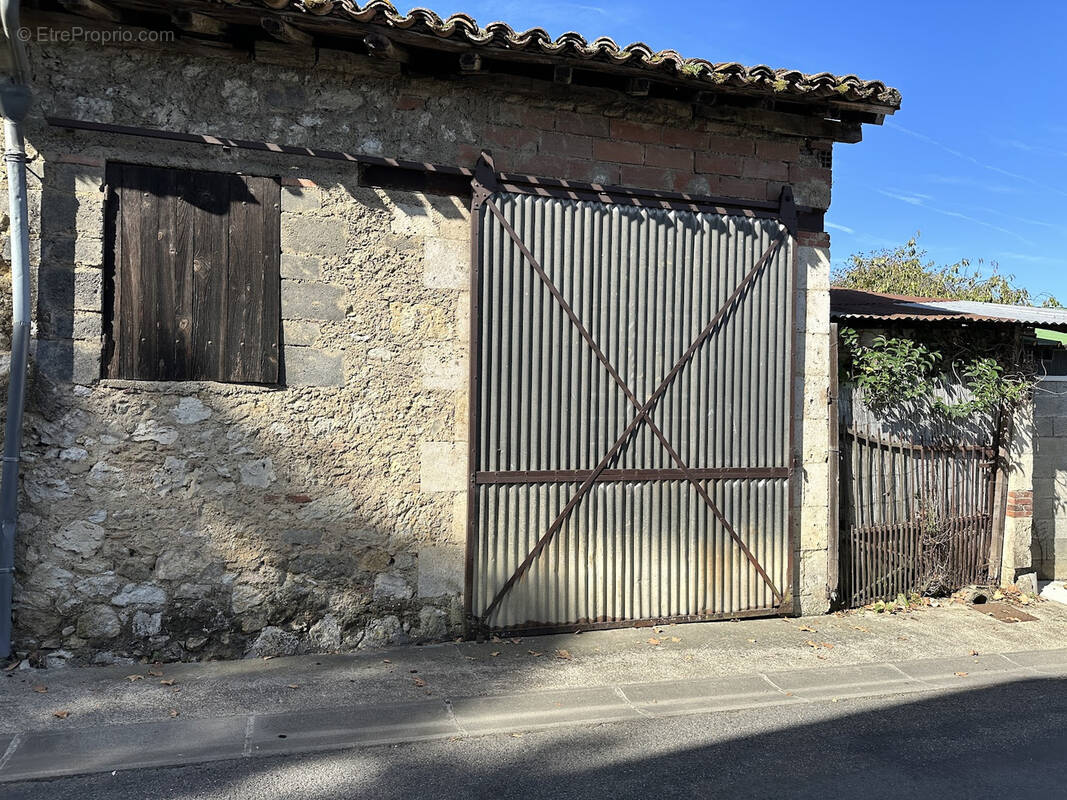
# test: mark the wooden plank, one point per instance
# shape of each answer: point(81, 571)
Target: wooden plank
point(210, 249)
point(270, 291)
point(254, 322)
point(833, 555)
point(165, 273)
point(113, 260)
point(137, 325)
point(244, 282)
point(182, 249)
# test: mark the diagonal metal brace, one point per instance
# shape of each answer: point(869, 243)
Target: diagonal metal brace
point(643, 413)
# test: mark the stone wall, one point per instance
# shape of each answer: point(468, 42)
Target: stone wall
point(188, 520)
point(1050, 480)
point(812, 388)
point(1016, 559)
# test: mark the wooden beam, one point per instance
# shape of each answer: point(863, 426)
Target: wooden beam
point(470, 62)
point(563, 73)
point(201, 24)
point(638, 87)
point(284, 32)
point(91, 9)
point(782, 122)
point(381, 46)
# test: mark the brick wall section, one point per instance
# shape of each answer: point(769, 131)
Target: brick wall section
point(1021, 503)
point(696, 156)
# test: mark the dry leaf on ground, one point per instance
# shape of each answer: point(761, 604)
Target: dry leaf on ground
point(675, 639)
point(961, 674)
point(132, 678)
point(419, 682)
point(654, 641)
point(167, 682)
point(294, 685)
point(807, 629)
point(40, 688)
point(156, 673)
point(534, 653)
point(564, 654)
point(174, 712)
point(60, 714)
point(495, 653)
point(814, 644)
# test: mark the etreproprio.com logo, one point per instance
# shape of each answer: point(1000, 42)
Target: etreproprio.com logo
point(77, 35)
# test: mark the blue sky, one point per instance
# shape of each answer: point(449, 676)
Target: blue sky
point(976, 159)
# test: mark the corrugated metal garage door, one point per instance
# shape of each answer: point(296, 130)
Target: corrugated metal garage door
point(585, 511)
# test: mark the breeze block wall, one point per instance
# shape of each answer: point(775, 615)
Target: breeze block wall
point(193, 519)
point(1049, 502)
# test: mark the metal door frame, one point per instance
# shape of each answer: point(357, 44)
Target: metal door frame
point(488, 181)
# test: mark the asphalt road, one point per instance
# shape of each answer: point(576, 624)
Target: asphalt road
point(1006, 740)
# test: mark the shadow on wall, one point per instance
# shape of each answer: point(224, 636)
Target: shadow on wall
point(181, 520)
point(951, 746)
point(1050, 480)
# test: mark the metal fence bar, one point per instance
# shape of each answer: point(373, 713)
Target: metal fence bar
point(918, 508)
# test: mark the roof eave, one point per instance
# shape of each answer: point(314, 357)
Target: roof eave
point(844, 98)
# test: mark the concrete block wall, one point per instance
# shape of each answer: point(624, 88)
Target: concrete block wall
point(1050, 480)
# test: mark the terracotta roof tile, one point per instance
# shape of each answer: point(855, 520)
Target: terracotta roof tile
point(759, 79)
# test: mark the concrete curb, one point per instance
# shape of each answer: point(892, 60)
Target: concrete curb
point(37, 755)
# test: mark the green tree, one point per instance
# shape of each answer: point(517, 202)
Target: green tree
point(906, 270)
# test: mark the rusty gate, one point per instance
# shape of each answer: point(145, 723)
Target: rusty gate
point(631, 396)
point(916, 502)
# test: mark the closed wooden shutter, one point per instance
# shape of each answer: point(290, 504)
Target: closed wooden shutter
point(194, 270)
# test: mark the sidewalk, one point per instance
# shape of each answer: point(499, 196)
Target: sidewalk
point(202, 712)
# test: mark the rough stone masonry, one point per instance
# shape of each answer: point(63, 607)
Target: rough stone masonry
point(207, 520)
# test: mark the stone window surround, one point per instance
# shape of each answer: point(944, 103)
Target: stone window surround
point(78, 360)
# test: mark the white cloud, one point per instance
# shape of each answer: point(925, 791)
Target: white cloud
point(843, 228)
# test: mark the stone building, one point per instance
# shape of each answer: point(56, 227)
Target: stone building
point(315, 497)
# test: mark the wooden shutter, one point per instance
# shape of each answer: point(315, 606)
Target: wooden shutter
point(194, 259)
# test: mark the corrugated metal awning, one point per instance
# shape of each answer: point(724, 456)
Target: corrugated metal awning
point(848, 304)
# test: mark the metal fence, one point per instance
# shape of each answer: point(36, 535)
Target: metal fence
point(916, 500)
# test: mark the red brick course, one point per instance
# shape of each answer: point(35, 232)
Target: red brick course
point(702, 157)
point(1020, 503)
point(622, 129)
point(674, 157)
point(618, 152)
